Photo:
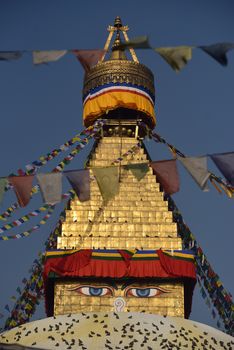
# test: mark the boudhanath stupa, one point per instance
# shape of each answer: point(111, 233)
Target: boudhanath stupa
point(120, 276)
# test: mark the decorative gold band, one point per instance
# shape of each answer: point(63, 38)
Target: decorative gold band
point(119, 71)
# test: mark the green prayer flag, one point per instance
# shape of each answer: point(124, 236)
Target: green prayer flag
point(3, 183)
point(108, 181)
point(177, 57)
point(138, 170)
point(140, 42)
point(51, 187)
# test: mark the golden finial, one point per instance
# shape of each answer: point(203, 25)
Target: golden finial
point(118, 22)
point(117, 27)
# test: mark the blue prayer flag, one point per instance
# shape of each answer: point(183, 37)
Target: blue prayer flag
point(218, 51)
point(225, 163)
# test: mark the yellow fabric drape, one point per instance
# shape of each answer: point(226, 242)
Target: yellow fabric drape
point(110, 100)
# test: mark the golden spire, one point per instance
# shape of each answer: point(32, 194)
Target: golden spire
point(117, 53)
point(119, 70)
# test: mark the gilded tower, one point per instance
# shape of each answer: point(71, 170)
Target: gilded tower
point(136, 219)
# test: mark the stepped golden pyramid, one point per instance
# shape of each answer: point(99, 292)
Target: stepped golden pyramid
point(138, 217)
point(119, 277)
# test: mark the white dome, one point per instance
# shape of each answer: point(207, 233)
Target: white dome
point(122, 330)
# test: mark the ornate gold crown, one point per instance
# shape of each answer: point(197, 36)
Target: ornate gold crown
point(131, 82)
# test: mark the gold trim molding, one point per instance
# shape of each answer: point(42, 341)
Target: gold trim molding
point(119, 71)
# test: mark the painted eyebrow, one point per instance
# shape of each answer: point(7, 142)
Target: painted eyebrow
point(148, 287)
point(104, 285)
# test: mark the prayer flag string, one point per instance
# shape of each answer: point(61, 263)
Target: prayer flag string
point(227, 188)
point(35, 165)
point(96, 128)
point(132, 151)
point(32, 292)
point(220, 297)
point(177, 56)
point(67, 160)
point(82, 143)
point(25, 218)
point(8, 212)
point(34, 228)
point(208, 302)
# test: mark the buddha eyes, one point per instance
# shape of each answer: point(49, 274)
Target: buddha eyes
point(105, 291)
point(144, 292)
point(93, 291)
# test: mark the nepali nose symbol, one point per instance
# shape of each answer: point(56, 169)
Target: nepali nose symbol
point(119, 304)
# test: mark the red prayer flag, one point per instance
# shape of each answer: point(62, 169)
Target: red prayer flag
point(22, 187)
point(89, 58)
point(167, 175)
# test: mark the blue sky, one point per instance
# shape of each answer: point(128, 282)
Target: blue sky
point(41, 108)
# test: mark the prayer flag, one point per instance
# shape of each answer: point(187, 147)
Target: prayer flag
point(80, 181)
point(10, 55)
point(197, 168)
point(3, 183)
point(225, 163)
point(108, 181)
point(22, 186)
point(7, 307)
point(177, 57)
point(218, 51)
point(213, 313)
point(138, 170)
point(89, 58)
point(167, 175)
point(208, 302)
point(203, 293)
point(140, 42)
point(51, 187)
point(40, 57)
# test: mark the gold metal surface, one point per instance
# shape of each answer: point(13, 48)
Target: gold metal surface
point(118, 27)
point(117, 53)
point(119, 71)
point(138, 217)
point(135, 59)
point(107, 44)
